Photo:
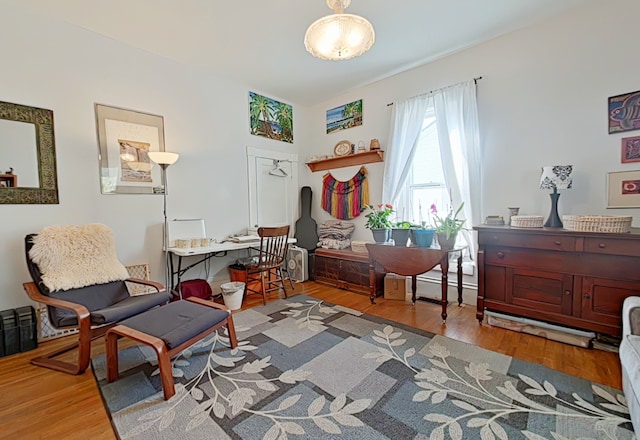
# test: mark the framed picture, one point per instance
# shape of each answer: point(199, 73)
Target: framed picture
point(345, 116)
point(630, 149)
point(125, 138)
point(624, 112)
point(623, 189)
point(270, 118)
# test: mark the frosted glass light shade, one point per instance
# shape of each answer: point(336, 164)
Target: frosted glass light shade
point(163, 157)
point(339, 36)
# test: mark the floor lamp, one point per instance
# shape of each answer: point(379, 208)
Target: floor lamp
point(164, 159)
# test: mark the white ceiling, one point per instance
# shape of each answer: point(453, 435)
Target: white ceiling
point(260, 42)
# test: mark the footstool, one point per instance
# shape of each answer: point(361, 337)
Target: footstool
point(169, 329)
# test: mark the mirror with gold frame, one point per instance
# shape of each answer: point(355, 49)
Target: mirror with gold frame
point(27, 144)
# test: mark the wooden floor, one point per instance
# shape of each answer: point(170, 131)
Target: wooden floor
point(37, 403)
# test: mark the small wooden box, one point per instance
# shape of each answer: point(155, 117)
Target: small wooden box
point(395, 287)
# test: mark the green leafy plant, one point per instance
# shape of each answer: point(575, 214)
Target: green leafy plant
point(378, 218)
point(448, 225)
point(402, 225)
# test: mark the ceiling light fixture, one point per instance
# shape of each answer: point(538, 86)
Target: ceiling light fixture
point(339, 36)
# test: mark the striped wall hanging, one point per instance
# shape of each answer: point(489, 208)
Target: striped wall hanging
point(345, 200)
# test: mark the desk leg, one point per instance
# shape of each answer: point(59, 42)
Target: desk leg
point(460, 279)
point(444, 267)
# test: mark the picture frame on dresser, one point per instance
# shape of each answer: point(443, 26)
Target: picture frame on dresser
point(623, 189)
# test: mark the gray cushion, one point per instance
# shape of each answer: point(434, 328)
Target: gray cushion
point(176, 322)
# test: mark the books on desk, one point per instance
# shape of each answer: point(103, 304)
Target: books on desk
point(244, 239)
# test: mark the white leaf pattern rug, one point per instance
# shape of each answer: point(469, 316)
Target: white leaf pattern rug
point(307, 369)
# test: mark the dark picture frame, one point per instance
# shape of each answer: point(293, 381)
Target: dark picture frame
point(624, 112)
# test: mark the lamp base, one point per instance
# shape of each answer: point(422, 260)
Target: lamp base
point(554, 219)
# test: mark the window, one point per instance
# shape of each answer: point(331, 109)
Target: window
point(425, 182)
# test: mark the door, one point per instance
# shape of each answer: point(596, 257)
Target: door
point(273, 187)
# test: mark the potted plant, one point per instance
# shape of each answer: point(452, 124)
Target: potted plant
point(400, 233)
point(422, 235)
point(447, 228)
point(378, 221)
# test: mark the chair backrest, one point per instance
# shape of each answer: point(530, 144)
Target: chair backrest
point(93, 297)
point(274, 242)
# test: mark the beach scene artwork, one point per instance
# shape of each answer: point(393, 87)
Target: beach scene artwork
point(345, 116)
point(270, 118)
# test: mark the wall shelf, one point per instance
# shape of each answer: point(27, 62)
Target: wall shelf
point(346, 161)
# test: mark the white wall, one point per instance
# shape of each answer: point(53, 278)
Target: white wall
point(66, 69)
point(542, 101)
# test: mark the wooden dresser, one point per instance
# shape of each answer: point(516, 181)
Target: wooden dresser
point(345, 269)
point(574, 279)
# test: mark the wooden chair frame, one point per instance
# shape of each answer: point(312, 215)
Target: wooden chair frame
point(274, 242)
point(86, 331)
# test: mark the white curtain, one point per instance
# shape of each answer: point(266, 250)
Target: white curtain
point(457, 121)
point(406, 121)
point(456, 113)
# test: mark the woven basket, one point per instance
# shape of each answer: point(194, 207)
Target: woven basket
point(597, 223)
point(526, 221)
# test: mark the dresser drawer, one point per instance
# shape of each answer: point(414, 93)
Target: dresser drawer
point(529, 241)
point(557, 262)
point(612, 246)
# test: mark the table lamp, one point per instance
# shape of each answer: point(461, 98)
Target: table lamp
point(555, 177)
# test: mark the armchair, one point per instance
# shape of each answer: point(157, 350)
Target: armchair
point(630, 357)
point(76, 274)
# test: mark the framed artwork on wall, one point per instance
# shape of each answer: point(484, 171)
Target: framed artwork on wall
point(345, 116)
point(624, 112)
point(630, 149)
point(270, 118)
point(623, 189)
point(125, 138)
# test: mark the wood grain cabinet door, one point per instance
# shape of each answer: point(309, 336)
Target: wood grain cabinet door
point(602, 300)
point(541, 291)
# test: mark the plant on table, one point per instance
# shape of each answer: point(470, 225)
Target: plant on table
point(449, 225)
point(378, 218)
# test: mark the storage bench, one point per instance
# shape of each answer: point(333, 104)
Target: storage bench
point(346, 270)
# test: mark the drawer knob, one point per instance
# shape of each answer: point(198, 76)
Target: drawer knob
point(557, 243)
point(602, 245)
point(567, 292)
point(587, 296)
point(500, 254)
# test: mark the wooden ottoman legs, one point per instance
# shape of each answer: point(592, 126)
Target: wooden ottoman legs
point(164, 359)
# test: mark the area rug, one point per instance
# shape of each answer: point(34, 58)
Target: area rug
point(308, 369)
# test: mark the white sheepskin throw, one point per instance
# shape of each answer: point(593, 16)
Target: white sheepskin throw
point(71, 256)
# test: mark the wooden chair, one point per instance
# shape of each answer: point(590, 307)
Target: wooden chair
point(268, 269)
point(91, 309)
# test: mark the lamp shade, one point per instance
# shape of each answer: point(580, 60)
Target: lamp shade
point(556, 177)
point(339, 36)
point(163, 157)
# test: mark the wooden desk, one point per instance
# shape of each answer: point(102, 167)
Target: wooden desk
point(413, 261)
point(204, 254)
